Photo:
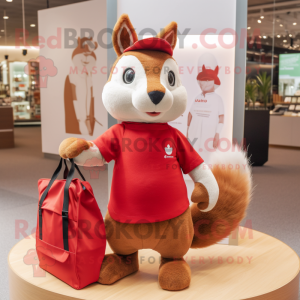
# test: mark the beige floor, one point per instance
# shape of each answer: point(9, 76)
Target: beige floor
point(274, 210)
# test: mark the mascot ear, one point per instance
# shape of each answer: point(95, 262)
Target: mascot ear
point(78, 42)
point(217, 70)
point(203, 68)
point(123, 35)
point(169, 33)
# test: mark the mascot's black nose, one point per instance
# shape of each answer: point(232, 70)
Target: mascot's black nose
point(156, 96)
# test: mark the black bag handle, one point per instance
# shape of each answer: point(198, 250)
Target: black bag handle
point(66, 171)
point(65, 210)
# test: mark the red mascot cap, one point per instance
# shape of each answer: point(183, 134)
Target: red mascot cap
point(209, 74)
point(152, 43)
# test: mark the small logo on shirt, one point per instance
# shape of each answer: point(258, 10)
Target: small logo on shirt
point(168, 150)
point(200, 100)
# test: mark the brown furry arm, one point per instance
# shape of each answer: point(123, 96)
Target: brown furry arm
point(200, 196)
point(72, 147)
point(206, 191)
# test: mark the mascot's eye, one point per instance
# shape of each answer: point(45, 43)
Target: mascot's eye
point(171, 78)
point(128, 75)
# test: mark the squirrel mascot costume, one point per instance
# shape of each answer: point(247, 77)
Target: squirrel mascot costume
point(149, 206)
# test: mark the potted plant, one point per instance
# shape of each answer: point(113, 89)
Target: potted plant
point(251, 92)
point(264, 86)
point(256, 129)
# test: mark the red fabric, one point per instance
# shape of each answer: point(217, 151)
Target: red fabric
point(152, 43)
point(208, 74)
point(80, 266)
point(147, 184)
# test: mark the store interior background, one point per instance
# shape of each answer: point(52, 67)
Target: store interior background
point(273, 29)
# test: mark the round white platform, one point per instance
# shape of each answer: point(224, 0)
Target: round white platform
point(260, 268)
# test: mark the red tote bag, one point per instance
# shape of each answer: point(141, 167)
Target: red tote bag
point(70, 236)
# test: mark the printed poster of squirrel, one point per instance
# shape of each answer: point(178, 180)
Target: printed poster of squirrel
point(78, 90)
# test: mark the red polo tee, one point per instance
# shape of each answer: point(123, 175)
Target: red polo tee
point(147, 184)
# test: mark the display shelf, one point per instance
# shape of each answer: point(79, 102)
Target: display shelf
point(21, 84)
point(293, 99)
point(284, 131)
point(19, 103)
point(24, 112)
point(287, 103)
point(6, 127)
point(260, 268)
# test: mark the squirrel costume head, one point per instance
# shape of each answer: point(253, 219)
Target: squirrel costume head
point(144, 84)
point(83, 56)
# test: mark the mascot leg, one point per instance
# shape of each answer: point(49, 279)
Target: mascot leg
point(124, 244)
point(171, 238)
point(174, 272)
point(115, 267)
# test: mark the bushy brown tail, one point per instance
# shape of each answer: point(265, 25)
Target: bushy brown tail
point(233, 175)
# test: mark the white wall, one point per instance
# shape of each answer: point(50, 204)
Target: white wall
point(195, 14)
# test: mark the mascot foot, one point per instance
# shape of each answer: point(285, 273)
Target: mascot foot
point(174, 275)
point(115, 267)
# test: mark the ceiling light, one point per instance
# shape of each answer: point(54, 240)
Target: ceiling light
point(284, 41)
point(264, 36)
point(278, 35)
point(295, 23)
point(9, 0)
point(249, 28)
point(261, 17)
point(258, 21)
point(281, 25)
point(32, 25)
point(290, 35)
point(260, 36)
point(5, 17)
point(2, 30)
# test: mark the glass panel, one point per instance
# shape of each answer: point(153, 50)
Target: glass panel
point(274, 49)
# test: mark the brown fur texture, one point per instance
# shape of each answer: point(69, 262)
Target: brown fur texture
point(169, 33)
point(72, 147)
point(200, 196)
point(123, 35)
point(234, 197)
point(174, 275)
point(115, 267)
point(171, 238)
